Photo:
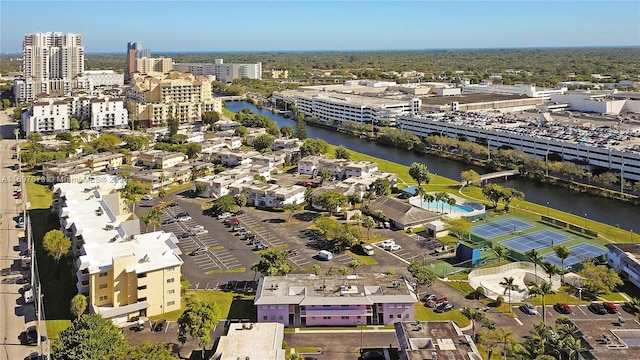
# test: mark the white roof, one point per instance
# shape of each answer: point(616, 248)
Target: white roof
point(252, 341)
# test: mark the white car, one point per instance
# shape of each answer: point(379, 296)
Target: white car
point(184, 218)
point(224, 216)
point(147, 197)
point(387, 243)
point(394, 247)
point(196, 228)
point(200, 232)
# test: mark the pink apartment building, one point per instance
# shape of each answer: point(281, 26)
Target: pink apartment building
point(340, 300)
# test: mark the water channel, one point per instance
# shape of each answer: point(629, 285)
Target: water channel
point(607, 211)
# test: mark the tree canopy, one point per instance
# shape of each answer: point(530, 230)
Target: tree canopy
point(90, 337)
point(56, 244)
point(273, 262)
point(197, 321)
point(420, 173)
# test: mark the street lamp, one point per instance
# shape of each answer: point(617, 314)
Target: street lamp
point(622, 178)
point(547, 208)
point(585, 220)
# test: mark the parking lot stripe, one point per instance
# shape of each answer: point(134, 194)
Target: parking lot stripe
point(518, 321)
point(580, 308)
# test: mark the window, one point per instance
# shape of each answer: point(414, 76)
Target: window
point(272, 307)
point(102, 286)
point(171, 303)
point(406, 316)
point(273, 317)
point(171, 269)
point(280, 317)
point(399, 316)
point(407, 306)
point(169, 281)
point(143, 275)
point(142, 299)
point(280, 307)
point(399, 306)
point(265, 318)
point(390, 316)
point(327, 317)
point(103, 297)
point(103, 274)
point(172, 291)
point(344, 317)
point(265, 307)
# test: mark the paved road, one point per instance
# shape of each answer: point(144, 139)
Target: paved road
point(15, 315)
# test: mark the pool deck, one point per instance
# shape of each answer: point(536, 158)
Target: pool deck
point(453, 214)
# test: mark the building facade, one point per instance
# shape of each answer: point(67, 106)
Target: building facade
point(90, 80)
point(343, 300)
point(222, 72)
point(50, 62)
point(134, 51)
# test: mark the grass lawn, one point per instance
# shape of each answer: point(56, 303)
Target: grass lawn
point(364, 259)
point(305, 350)
point(459, 276)
point(179, 188)
point(556, 298)
point(228, 113)
point(462, 286)
point(426, 314)
point(55, 327)
point(503, 308)
point(38, 195)
point(229, 305)
point(613, 297)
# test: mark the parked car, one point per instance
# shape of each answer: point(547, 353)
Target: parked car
point(261, 246)
point(28, 296)
point(240, 212)
point(324, 255)
point(170, 205)
point(563, 308)
point(21, 224)
point(529, 309)
point(224, 215)
point(199, 251)
point(169, 221)
point(31, 336)
point(184, 218)
point(22, 280)
point(160, 325)
point(196, 228)
point(238, 228)
point(232, 221)
point(182, 213)
point(184, 235)
point(200, 232)
point(394, 247)
point(610, 307)
point(147, 197)
point(598, 308)
point(386, 243)
point(444, 307)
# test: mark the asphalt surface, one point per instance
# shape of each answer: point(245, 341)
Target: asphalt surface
point(15, 314)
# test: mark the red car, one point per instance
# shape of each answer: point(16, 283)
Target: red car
point(563, 308)
point(19, 195)
point(611, 307)
point(232, 221)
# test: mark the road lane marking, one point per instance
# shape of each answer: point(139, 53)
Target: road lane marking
point(518, 321)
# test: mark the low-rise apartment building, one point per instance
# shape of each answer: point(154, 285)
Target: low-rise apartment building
point(341, 300)
point(272, 196)
point(339, 168)
point(123, 273)
point(235, 158)
point(71, 169)
point(230, 181)
point(625, 260)
point(154, 182)
point(251, 341)
point(432, 340)
point(54, 114)
point(160, 159)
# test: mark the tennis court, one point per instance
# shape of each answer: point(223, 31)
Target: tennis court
point(579, 253)
point(499, 228)
point(536, 240)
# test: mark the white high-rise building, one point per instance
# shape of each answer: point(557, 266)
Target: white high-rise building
point(223, 72)
point(50, 62)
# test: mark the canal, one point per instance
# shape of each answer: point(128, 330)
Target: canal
point(603, 210)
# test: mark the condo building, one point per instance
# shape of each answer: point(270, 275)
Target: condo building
point(123, 273)
point(222, 72)
point(92, 80)
point(50, 62)
point(134, 51)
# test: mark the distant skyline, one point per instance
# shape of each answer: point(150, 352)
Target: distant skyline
point(225, 26)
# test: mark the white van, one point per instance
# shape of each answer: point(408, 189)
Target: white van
point(28, 296)
point(367, 249)
point(324, 255)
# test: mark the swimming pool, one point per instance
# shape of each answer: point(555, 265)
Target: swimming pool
point(443, 206)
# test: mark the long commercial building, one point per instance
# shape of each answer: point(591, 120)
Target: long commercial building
point(625, 161)
point(50, 62)
point(123, 273)
point(223, 72)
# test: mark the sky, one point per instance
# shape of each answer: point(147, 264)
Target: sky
point(236, 26)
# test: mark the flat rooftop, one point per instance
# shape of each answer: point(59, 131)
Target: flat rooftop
point(252, 341)
point(311, 289)
point(467, 98)
point(420, 340)
point(623, 343)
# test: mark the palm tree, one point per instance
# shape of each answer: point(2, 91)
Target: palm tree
point(563, 253)
point(506, 336)
point(500, 251)
point(509, 285)
point(543, 289)
point(571, 346)
point(541, 333)
point(490, 339)
point(535, 258)
point(451, 202)
point(473, 315)
point(552, 269)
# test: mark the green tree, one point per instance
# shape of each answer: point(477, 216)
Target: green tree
point(172, 125)
point(599, 279)
point(224, 204)
point(262, 142)
point(241, 200)
point(422, 274)
point(368, 223)
point(313, 147)
point(152, 217)
point(180, 139)
point(459, 227)
point(241, 131)
point(508, 194)
point(89, 337)
point(193, 150)
point(509, 284)
point(535, 258)
point(287, 131)
point(420, 173)
point(148, 351)
point(381, 186)
point(210, 118)
point(130, 193)
point(342, 152)
point(343, 270)
point(562, 252)
point(543, 289)
point(331, 201)
point(500, 251)
point(301, 127)
point(197, 321)
point(493, 193)
point(136, 142)
point(78, 305)
point(273, 262)
point(474, 315)
point(74, 124)
point(316, 269)
point(106, 142)
point(324, 174)
point(489, 339)
point(470, 177)
point(291, 209)
point(56, 244)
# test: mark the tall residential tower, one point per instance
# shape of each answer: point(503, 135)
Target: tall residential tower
point(134, 51)
point(50, 62)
